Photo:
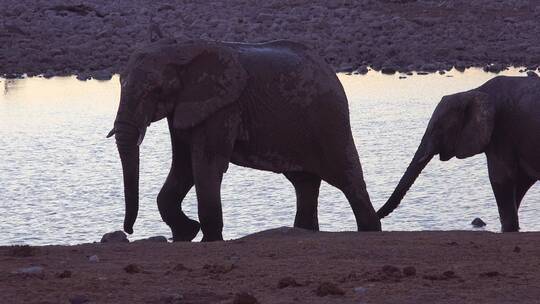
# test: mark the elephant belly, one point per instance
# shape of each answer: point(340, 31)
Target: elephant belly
point(269, 160)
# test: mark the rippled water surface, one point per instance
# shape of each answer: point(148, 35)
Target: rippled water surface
point(61, 180)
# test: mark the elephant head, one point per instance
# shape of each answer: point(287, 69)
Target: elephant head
point(184, 82)
point(460, 126)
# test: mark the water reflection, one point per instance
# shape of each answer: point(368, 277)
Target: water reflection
point(61, 182)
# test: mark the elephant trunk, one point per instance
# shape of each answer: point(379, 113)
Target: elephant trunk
point(127, 140)
point(421, 158)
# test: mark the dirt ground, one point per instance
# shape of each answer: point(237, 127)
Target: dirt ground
point(95, 37)
point(283, 266)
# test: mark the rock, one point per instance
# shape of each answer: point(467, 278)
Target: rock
point(489, 274)
point(64, 274)
point(328, 288)
point(362, 70)
point(22, 251)
point(93, 259)
point(132, 268)
point(517, 249)
point(287, 282)
point(172, 299)
point(114, 237)
point(388, 70)
point(532, 74)
point(79, 299)
point(409, 271)
point(390, 270)
point(102, 76)
point(153, 239)
point(449, 274)
point(244, 298)
point(360, 291)
point(31, 270)
point(218, 269)
point(478, 223)
point(493, 68)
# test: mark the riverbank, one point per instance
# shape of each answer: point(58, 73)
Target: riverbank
point(282, 266)
point(95, 38)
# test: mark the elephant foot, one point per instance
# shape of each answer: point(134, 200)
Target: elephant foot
point(186, 232)
point(510, 228)
point(212, 237)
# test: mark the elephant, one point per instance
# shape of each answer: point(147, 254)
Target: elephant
point(501, 118)
point(272, 106)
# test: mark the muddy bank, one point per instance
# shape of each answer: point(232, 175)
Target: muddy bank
point(94, 38)
point(282, 266)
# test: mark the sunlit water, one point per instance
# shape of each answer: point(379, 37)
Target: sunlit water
point(61, 179)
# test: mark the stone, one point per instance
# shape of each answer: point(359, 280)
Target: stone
point(153, 239)
point(93, 259)
point(388, 70)
point(79, 299)
point(244, 298)
point(22, 251)
point(64, 274)
point(517, 249)
point(132, 268)
point(478, 223)
point(31, 270)
point(390, 270)
point(114, 237)
point(409, 271)
point(360, 291)
point(287, 282)
point(328, 288)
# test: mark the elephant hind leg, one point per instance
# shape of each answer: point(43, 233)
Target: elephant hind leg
point(306, 186)
point(523, 185)
point(352, 184)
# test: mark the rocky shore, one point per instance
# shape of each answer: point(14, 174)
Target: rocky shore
point(281, 266)
point(94, 38)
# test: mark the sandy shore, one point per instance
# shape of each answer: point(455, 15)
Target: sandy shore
point(283, 266)
point(94, 38)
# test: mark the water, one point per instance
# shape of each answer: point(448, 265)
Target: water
point(61, 179)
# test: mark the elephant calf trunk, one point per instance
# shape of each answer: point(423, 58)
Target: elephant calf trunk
point(419, 162)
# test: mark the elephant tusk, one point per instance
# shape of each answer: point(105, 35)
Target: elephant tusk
point(111, 133)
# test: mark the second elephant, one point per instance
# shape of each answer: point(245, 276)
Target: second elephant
point(501, 119)
point(273, 106)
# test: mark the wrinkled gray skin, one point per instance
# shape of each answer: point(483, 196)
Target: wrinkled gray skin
point(501, 119)
point(272, 106)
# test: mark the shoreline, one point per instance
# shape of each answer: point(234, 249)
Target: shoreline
point(283, 265)
point(95, 39)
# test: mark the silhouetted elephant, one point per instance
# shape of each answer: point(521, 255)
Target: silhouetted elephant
point(273, 106)
point(500, 118)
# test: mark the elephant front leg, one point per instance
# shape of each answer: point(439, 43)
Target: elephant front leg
point(503, 179)
point(208, 174)
point(169, 202)
point(506, 203)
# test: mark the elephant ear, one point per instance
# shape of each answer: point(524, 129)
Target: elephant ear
point(478, 123)
point(212, 78)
